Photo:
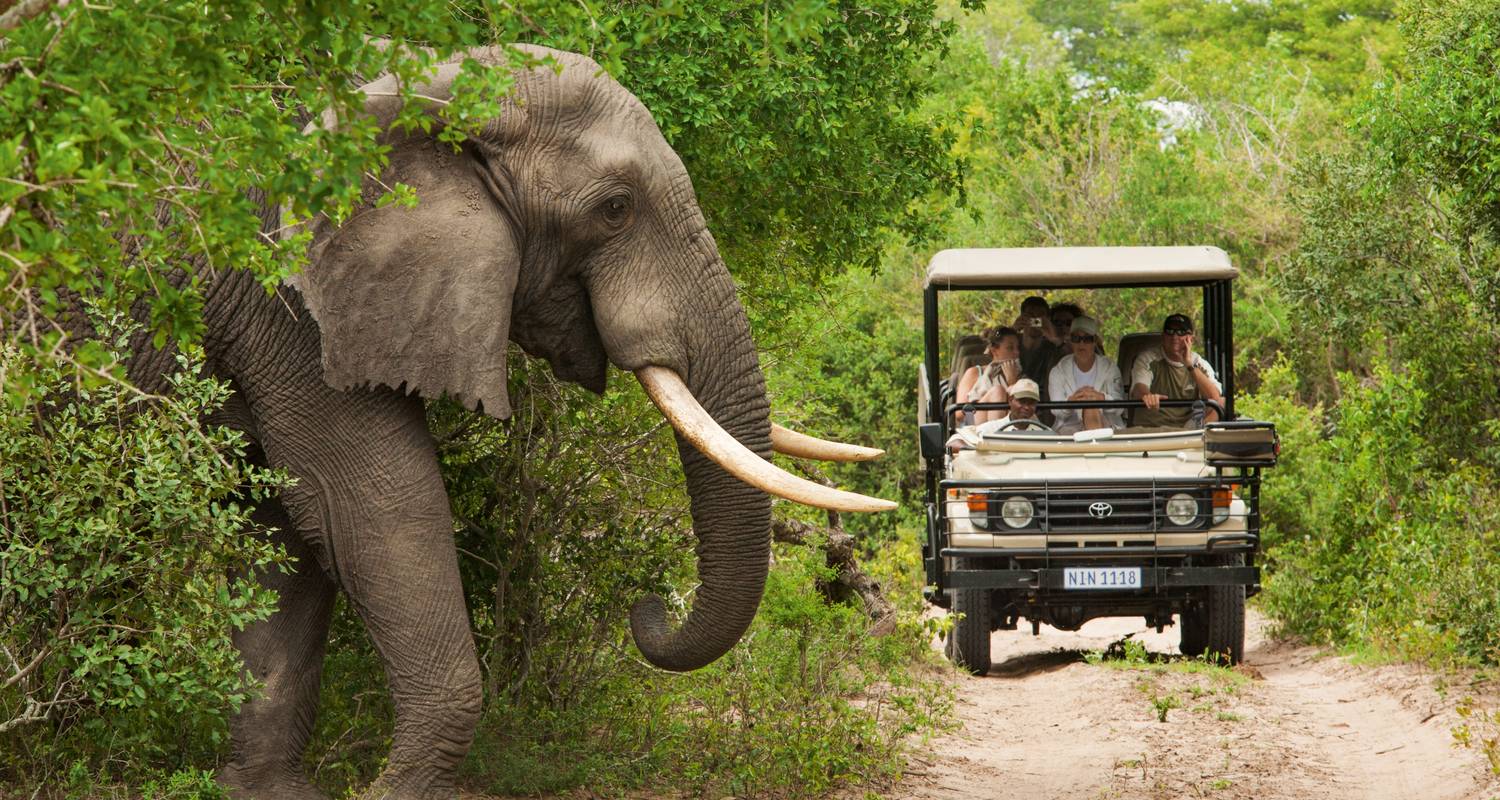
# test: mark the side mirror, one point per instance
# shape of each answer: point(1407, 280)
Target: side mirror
point(930, 436)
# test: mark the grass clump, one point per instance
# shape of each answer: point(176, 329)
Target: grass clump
point(1172, 682)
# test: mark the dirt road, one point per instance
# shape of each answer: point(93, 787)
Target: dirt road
point(1291, 725)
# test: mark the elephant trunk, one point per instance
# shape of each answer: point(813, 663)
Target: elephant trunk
point(731, 518)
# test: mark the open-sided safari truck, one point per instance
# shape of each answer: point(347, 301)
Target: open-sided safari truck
point(1025, 523)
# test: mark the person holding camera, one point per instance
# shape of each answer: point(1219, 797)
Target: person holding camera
point(1041, 346)
point(1173, 372)
point(979, 384)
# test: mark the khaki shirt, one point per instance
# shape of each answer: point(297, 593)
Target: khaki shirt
point(1175, 381)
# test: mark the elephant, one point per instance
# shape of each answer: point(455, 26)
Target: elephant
point(567, 225)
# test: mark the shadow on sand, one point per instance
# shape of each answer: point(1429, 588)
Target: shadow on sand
point(1028, 664)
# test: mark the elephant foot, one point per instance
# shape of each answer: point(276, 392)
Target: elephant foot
point(246, 784)
point(415, 784)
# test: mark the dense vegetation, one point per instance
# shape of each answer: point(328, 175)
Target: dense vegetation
point(1345, 153)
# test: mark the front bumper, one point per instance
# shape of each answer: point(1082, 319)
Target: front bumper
point(1046, 578)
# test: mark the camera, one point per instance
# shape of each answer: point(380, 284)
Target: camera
point(1035, 322)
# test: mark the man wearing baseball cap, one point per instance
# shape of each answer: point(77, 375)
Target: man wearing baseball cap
point(1173, 372)
point(1024, 395)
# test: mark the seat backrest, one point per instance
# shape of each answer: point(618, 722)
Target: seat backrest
point(1131, 346)
point(968, 351)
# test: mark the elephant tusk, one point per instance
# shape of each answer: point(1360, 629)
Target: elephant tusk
point(677, 403)
point(799, 445)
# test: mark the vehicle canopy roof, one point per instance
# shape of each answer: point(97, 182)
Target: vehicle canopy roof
point(1055, 267)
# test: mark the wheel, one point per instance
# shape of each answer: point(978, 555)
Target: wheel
point(1194, 625)
point(969, 641)
point(1031, 423)
point(1225, 620)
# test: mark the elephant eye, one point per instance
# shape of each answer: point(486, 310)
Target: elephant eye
point(616, 209)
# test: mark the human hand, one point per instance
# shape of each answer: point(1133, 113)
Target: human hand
point(1012, 367)
point(1050, 331)
point(1152, 401)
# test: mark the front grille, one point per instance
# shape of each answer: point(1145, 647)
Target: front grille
point(1099, 508)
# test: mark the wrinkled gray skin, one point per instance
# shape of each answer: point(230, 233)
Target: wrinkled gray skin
point(570, 227)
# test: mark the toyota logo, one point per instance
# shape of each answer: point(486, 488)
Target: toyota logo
point(1101, 510)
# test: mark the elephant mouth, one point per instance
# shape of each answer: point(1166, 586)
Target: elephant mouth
point(561, 329)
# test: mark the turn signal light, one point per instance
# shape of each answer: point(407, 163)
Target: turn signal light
point(979, 501)
point(1223, 496)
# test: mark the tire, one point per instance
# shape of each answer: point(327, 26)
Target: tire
point(969, 641)
point(1225, 612)
point(1194, 625)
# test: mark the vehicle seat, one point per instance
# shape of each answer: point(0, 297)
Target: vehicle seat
point(1131, 346)
point(968, 351)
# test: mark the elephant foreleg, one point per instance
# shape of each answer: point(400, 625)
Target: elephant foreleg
point(285, 654)
point(369, 493)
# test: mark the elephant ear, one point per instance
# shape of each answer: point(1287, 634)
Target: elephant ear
point(418, 299)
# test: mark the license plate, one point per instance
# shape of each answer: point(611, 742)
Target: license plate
point(1102, 578)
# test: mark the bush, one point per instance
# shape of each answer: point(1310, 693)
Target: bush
point(122, 516)
point(1373, 537)
point(808, 702)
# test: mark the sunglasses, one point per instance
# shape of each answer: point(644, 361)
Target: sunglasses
point(1177, 331)
point(1081, 337)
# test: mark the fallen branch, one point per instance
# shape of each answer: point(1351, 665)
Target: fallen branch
point(25, 10)
point(850, 580)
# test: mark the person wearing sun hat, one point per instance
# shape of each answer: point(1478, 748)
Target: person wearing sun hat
point(1173, 372)
point(1085, 375)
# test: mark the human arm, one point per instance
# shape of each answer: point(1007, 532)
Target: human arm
point(1111, 386)
point(1140, 378)
point(961, 395)
point(1060, 387)
point(1208, 386)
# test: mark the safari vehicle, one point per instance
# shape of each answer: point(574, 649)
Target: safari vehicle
point(1058, 530)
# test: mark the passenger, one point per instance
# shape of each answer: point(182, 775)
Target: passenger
point(1041, 347)
point(1062, 317)
point(1086, 375)
point(1173, 372)
point(1023, 399)
point(1004, 347)
point(1024, 395)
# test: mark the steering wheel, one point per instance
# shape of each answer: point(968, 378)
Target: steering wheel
point(1035, 423)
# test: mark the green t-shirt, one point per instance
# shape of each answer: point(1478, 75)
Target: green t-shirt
point(1176, 382)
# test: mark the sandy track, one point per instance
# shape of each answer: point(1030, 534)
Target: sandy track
point(1044, 725)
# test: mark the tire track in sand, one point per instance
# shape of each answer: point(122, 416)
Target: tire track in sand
point(1044, 725)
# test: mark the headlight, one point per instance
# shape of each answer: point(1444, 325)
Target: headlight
point(979, 510)
point(1016, 511)
point(1182, 509)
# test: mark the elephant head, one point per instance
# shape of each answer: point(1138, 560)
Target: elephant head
point(569, 226)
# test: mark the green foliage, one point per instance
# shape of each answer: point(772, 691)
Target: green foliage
point(1442, 121)
point(169, 127)
point(1130, 45)
point(1377, 537)
point(809, 702)
point(1480, 730)
point(122, 516)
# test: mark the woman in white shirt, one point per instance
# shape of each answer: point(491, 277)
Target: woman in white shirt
point(989, 384)
point(1085, 374)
